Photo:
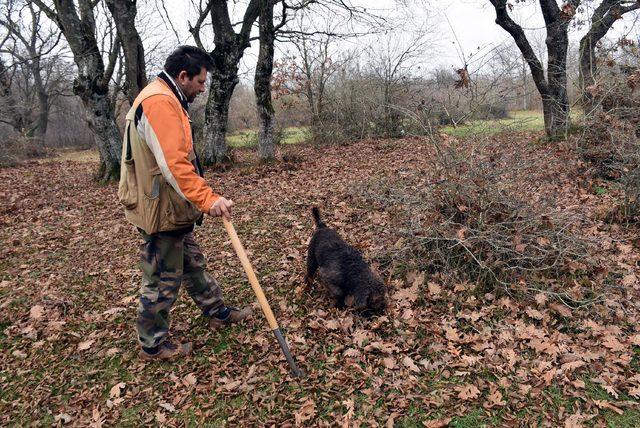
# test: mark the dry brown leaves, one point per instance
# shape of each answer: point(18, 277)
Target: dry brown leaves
point(68, 298)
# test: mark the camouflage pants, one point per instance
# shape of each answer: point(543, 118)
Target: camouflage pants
point(169, 260)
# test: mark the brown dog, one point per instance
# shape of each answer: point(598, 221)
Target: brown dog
point(341, 268)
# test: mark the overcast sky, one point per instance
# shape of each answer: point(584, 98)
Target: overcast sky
point(461, 29)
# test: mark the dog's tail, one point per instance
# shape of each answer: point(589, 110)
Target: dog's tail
point(316, 217)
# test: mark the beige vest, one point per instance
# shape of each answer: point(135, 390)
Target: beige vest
point(149, 201)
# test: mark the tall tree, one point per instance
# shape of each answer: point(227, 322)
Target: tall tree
point(31, 43)
point(78, 25)
point(227, 53)
point(124, 16)
point(603, 18)
point(12, 114)
point(553, 87)
point(262, 81)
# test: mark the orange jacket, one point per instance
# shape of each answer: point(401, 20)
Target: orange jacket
point(164, 124)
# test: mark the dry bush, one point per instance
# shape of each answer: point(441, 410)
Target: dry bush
point(611, 142)
point(491, 234)
point(472, 223)
point(16, 148)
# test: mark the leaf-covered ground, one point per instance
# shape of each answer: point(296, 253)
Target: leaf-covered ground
point(444, 354)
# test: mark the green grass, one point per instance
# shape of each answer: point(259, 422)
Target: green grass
point(517, 121)
point(249, 137)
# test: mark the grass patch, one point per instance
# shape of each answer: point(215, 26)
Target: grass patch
point(517, 121)
point(249, 137)
point(474, 419)
point(84, 156)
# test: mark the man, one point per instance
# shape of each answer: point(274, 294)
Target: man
point(164, 195)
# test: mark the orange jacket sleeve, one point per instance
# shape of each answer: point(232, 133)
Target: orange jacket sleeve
point(169, 142)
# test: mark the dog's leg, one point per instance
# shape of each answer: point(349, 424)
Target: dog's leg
point(312, 267)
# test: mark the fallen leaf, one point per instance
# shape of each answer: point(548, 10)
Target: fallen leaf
point(19, 354)
point(332, 325)
point(168, 407)
point(116, 389)
point(561, 309)
point(189, 380)
point(63, 417)
point(83, 346)
point(389, 362)
point(353, 353)
point(606, 405)
point(468, 392)
point(535, 314)
point(612, 343)
point(36, 312)
point(306, 412)
point(541, 298)
point(437, 423)
point(495, 399)
point(434, 289)
point(408, 362)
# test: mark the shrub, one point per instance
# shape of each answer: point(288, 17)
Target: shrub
point(470, 226)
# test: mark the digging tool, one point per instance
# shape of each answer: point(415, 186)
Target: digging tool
point(242, 255)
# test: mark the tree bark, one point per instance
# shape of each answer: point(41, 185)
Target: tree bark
point(224, 79)
point(124, 16)
point(229, 49)
point(555, 103)
point(92, 81)
point(40, 126)
point(262, 83)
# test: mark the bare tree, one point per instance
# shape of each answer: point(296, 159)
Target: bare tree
point(31, 42)
point(78, 24)
point(392, 60)
point(262, 80)
point(227, 53)
point(308, 70)
point(553, 87)
point(124, 16)
point(12, 113)
point(603, 18)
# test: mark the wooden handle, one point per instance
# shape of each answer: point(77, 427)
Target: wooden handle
point(242, 255)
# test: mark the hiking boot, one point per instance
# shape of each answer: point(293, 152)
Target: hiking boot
point(167, 351)
point(235, 315)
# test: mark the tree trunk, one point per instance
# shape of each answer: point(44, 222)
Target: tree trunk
point(108, 139)
point(262, 83)
point(77, 23)
point(553, 89)
point(17, 119)
point(229, 48)
point(40, 126)
point(525, 105)
point(555, 100)
point(124, 15)
point(224, 78)
point(605, 15)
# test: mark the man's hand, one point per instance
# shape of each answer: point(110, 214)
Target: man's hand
point(222, 207)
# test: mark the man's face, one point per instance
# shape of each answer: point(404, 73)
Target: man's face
point(191, 87)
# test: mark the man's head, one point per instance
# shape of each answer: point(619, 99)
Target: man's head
point(188, 66)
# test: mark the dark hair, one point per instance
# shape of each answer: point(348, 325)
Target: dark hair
point(188, 58)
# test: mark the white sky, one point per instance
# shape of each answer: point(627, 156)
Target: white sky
point(459, 26)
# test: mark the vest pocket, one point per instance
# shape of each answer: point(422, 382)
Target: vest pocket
point(150, 215)
point(128, 188)
point(181, 212)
